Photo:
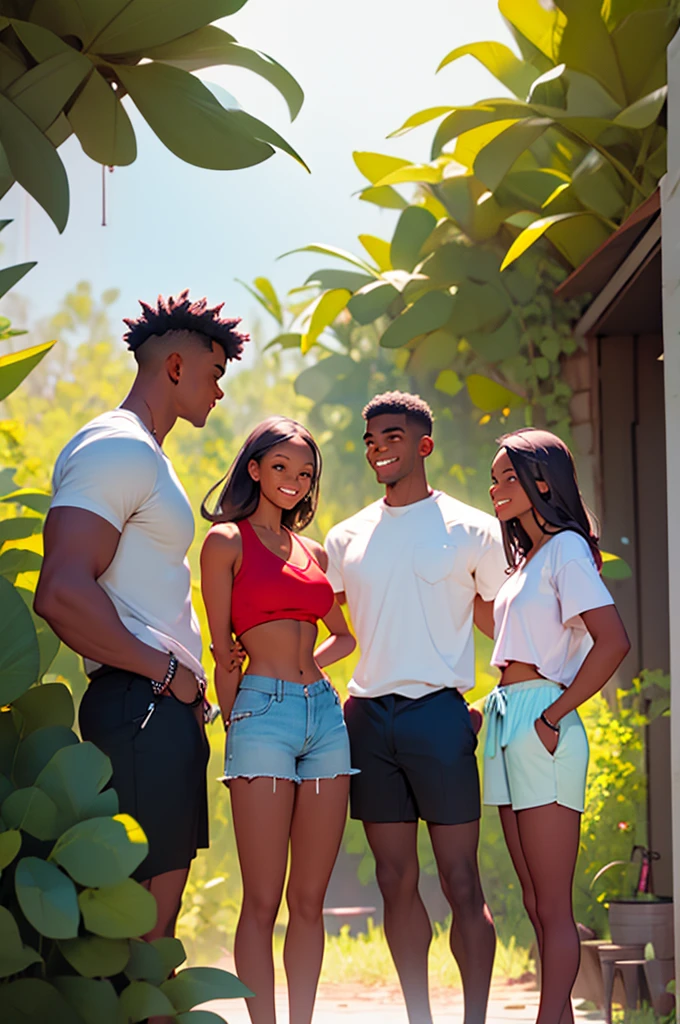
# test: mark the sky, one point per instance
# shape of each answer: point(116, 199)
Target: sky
point(365, 66)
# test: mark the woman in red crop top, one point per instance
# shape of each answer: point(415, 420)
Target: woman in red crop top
point(287, 756)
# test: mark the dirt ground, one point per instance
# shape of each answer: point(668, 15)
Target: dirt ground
point(337, 1004)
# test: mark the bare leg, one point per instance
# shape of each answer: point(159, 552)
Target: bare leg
point(549, 837)
point(262, 819)
point(473, 938)
point(407, 926)
point(511, 831)
point(316, 832)
point(167, 890)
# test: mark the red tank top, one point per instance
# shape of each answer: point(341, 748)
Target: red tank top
point(266, 588)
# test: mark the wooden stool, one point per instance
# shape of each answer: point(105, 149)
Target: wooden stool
point(625, 960)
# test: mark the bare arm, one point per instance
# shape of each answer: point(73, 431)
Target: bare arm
point(220, 559)
point(610, 646)
point(483, 616)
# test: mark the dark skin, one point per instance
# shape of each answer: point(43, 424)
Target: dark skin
point(396, 450)
point(178, 378)
point(545, 866)
point(306, 818)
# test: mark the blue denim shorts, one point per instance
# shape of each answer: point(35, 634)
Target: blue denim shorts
point(282, 730)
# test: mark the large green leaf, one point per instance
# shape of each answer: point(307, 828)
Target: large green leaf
point(17, 560)
point(210, 45)
point(375, 166)
point(34, 1001)
point(44, 91)
point(102, 125)
point(412, 231)
point(32, 811)
point(430, 312)
point(19, 652)
point(96, 957)
point(489, 396)
point(598, 187)
point(37, 501)
point(188, 119)
point(421, 174)
point(540, 24)
point(534, 188)
point(48, 642)
point(19, 528)
point(384, 196)
point(47, 898)
point(14, 956)
point(37, 749)
point(516, 75)
point(340, 254)
point(323, 310)
point(478, 307)
point(615, 568)
point(47, 704)
point(17, 365)
point(640, 43)
point(140, 1000)
point(316, 381)
point(499, 155)
point(330, 278)
point(576, 235)
point(447, 265)
point(132, 26)
point(9, 276)
point(503, 343)
point(262, 132)
point(10, 844)
point(587, 46)
point(101, 851)
point(265, 293)
point(123, 911)
point(74, 778)
point(146, 963)
point(471, 207)
point(200, 985)
point(467, 119)
point(372, 301)
point(95, 1001)
point(378, 249)
point(34, 162)
point(420, 118)
point(644, 111)
point(171, 952)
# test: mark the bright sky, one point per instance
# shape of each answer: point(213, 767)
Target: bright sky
point(365, 66)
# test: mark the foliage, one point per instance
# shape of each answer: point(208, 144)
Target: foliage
point(67, 66)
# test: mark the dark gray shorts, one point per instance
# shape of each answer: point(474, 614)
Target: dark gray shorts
point(416, 758)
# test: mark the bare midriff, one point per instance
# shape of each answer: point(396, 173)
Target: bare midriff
point(282, 650)
point(519, 672)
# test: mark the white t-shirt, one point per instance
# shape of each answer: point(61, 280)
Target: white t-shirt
point(410, 574)
point(537, 612)
point(114, 468)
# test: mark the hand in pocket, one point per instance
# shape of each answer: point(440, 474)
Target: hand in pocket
point(548, 737)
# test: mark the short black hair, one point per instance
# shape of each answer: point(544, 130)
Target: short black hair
point(181, 314)
point(413, 407)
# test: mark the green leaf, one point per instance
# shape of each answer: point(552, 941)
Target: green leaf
point(615, 568)
point(9, 741)
point(19, 652)
point(265, 294)
point(14, 956)
point(466, 119)
point(123, 911)
point(317, 381)
point(34, 162)
point(95, 957)
point(640, 42)
point(384, 196)
point(171, 952)
point(516, 75)
point(378, 249)
point(47, 898)
point(48, 642)
point(644, 111)
point(74, 779)
point(17, 365)
point(33, 1001)
point(284, 341)
point(540, 24)
point(499, 155)
point(576, 235)
point(597, 186)
point(324, 310)
point(10, 844)
point(413, 174)
point(372, 301)
point(328, 279)
point(138, 26)
point(197, 985)
point(37, 749)
point(412, 231)
point(375, 166)
point(102, 125)
point(448, 382)
point(535, 187)
point(420, 118)
point(146, 963)
point(41, 42)
point(17, 560)
point(489, 396)
point(47, 704)
point(30, 810)
point(429, 313)
point(447, 265)
point(471, 207)
point(587, 46)
point(43, 92)
point(503, 343)
point(340, 254)
point(9, 276)
point(479, 307)
point(141, 1000)
point(95, 1001)
point(256, 129)
point(37, 501)
point(188, 119)
point(101, 851)
point(19, 528)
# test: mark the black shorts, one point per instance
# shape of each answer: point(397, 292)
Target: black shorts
point(159, 772)
point(416, 758)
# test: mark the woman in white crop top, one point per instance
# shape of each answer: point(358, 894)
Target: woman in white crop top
point(558, 640)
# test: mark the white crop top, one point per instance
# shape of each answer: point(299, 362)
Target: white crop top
point(537, 611)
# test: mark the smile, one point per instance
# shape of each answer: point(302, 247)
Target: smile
point(385, 462)
point(503, 501)
point(286, 490)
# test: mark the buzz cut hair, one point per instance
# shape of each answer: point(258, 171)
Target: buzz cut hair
point(181, 314)
point(401, 403)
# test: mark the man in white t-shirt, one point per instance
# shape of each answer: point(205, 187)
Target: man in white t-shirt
point(115, 586)
point(413, 567)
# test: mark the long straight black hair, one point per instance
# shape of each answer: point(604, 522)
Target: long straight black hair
point(539, 455)
point(240, 494)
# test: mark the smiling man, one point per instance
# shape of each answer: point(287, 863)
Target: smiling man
point(116, 587)
point(413, 567)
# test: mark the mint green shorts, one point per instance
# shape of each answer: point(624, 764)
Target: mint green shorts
point(518, 770)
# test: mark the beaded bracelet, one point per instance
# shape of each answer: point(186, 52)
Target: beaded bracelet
point(551, 725)
point(160, 687)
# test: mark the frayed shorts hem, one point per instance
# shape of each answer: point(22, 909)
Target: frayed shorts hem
point(297, 779)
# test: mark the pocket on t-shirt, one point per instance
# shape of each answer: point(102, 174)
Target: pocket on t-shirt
point(434, 562)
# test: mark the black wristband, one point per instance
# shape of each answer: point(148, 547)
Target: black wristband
point(555, 728)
